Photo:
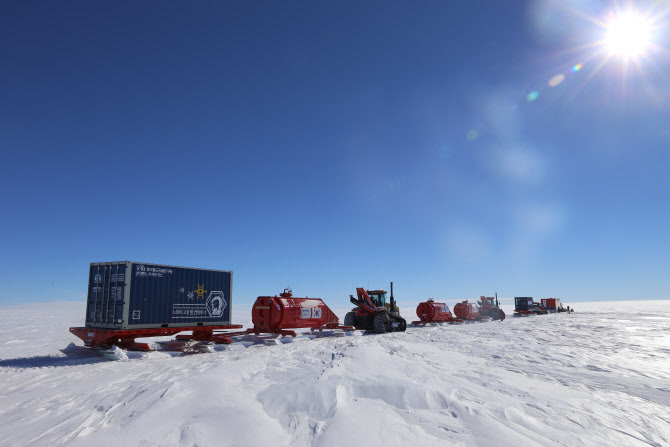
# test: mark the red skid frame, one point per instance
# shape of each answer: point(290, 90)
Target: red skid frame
point(328, 326)
point(449, 321)
point(227, 337)
point(125, 338)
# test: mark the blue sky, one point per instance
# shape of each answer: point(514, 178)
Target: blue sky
point(331, 145)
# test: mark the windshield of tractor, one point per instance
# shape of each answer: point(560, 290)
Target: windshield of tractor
point(378, 297)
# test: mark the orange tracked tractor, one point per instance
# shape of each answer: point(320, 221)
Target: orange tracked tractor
point(490, 307)
point(373, 313)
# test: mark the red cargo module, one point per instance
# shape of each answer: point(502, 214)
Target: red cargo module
point(432, 312)
point(468, 311)
point(552, 305)
point(275, 314)
point(281, 314)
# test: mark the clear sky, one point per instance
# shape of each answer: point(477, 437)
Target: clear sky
point(456, 148)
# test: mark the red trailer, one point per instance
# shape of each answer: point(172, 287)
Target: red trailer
point(553, 305)
point(468, 312)
point(125, 338)
point(432, 312)
point(281, 314)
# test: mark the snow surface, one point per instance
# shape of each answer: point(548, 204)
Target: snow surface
point(598, 377)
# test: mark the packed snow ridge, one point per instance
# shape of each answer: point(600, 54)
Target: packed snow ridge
point(598, 377)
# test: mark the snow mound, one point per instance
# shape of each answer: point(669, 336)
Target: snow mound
point(597, 377)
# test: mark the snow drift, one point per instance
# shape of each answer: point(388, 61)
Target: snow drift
point(596, 377)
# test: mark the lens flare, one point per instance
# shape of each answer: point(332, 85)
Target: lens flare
point(556, 80)
point(532, 96)
point(472, 134)
point(628, 35)
point(577, 67)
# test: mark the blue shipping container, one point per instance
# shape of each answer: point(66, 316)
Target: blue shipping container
point(131, 295)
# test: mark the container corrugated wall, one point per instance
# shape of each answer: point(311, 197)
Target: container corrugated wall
point(523, 303)
point(128, 295)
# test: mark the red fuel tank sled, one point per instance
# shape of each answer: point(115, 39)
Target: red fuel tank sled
point(468, 311)
point(277, 314)
point(281, 314)
point(432, 312)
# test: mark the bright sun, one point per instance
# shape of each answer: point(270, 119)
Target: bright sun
point(628, 35)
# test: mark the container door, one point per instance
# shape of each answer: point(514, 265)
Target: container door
point(106, 290)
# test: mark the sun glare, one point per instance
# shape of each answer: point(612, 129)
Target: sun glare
point(628, 35)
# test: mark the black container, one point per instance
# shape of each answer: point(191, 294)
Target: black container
point(131, 295)
point(523, 303)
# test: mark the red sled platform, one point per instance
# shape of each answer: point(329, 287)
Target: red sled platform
point(125, 338)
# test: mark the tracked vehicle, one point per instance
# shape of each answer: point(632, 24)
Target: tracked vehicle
point(373, 314)
point(490, 307)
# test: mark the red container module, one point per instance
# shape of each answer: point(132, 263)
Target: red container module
point(281, 314)
point(467, 311)
point(277, 313)
point(552, 304)
point(432, 312)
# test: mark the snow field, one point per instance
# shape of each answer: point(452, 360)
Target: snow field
point(600, 376)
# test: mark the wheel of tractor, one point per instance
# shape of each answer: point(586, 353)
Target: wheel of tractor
point(381, 322)
point(403, 325)
point(350, 319)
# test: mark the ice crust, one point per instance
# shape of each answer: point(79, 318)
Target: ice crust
point(597, 377)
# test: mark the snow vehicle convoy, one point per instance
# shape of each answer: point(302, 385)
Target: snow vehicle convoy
point(129, 301)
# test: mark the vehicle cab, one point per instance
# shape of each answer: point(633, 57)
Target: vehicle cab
point(487, 301)
point(378, 297)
